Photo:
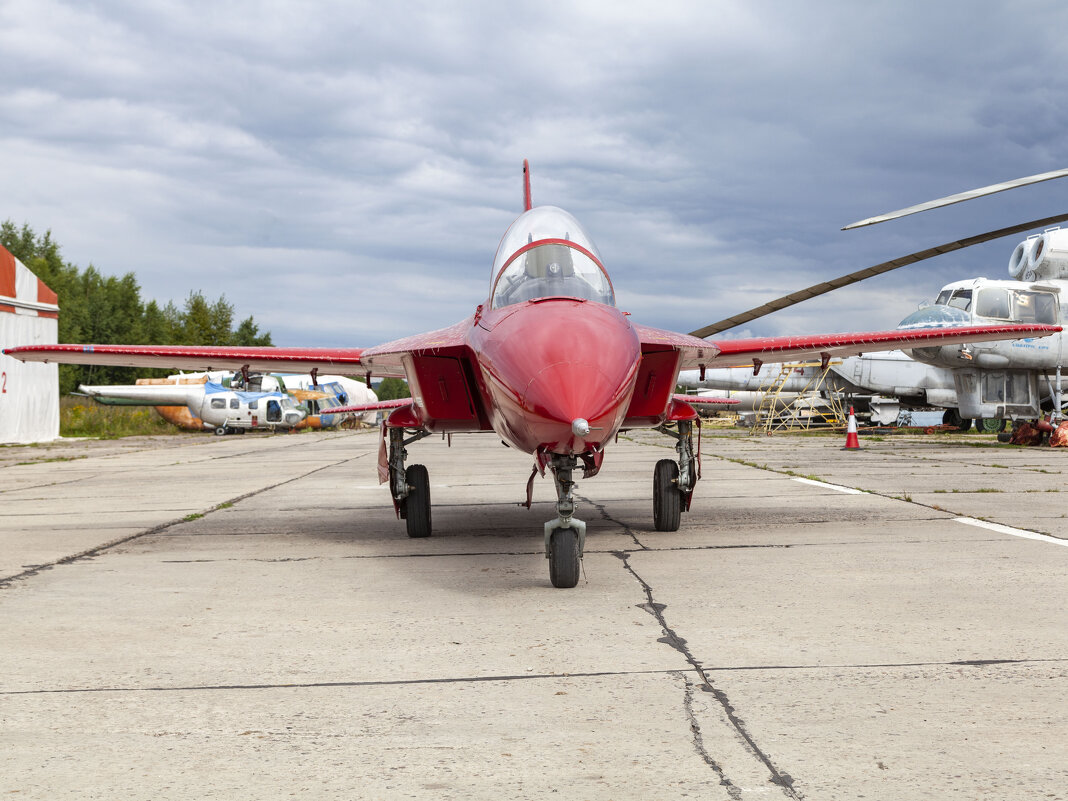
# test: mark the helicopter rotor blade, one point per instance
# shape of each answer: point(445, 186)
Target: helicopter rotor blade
point(836, 283)
point(960, 197)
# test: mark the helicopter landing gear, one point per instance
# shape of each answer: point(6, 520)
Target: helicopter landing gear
point(951, 417)
point(565, 536)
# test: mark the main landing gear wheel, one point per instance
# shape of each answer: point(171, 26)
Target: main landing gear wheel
point(564, 558)
point(951, 417)
point(667, 500)
point(990, 425)
point(417, 504)
point(220, 431)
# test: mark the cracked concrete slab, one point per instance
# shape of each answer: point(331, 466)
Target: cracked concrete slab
point(288, 638)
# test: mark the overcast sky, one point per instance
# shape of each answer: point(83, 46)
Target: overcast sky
point(343, 171)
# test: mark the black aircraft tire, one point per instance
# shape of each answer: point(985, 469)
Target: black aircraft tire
point(667, 500)
point(563, 558)
point(417, 504)
point(951, 417)
point(989, 425)
point(220, 431)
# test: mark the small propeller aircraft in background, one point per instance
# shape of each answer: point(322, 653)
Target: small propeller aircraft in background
point(549, 364)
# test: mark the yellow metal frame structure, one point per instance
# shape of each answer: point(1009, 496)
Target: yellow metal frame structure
point(775, 414)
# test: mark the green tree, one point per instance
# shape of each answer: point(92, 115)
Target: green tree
point(392, 389)
point(248, 334)
point(95, 308)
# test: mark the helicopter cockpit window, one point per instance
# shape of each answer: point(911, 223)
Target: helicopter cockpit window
point(1017, 305)
point(993, 302)
point(1035, 307)
point(552, 270)
point(962, 299)
point(943, 298)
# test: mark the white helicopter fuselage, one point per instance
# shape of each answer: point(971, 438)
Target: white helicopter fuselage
point(1009, 379)
point(217, 407)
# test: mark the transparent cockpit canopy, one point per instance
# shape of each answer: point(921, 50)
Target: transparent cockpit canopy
point(546, 253)
point(936, 316)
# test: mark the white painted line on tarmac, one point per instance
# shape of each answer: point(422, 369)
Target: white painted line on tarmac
point(825, 485)
point(1016, 532)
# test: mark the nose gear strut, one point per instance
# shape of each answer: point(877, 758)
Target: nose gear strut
point(565, 537)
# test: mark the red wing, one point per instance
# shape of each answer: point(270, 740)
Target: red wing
point(389, 358)
point(386, 361)
point(736, 352)
point(182, 357)
point(441, 371)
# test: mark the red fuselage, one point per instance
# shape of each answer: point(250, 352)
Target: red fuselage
point(549, 362)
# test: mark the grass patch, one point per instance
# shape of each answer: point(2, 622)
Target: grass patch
point(54, 459)
point(81, 417)
point(192, 517)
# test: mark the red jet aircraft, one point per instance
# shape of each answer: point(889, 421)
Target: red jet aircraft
point(548, 363)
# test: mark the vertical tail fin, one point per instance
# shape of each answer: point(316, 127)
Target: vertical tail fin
point(527, 204)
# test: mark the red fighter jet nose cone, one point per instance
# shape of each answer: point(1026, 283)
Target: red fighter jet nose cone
point(562, 380)
point(575, 394)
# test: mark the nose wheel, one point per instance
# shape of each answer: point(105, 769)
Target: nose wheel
point(564, 558)
point(565, 536)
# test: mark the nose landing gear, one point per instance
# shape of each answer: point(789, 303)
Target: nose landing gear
point(565, 537)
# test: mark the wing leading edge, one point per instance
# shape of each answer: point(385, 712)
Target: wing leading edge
point(258, 359)
point(737, 352)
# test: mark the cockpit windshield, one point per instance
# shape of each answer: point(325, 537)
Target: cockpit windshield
point(958, 299)
point(546, 253)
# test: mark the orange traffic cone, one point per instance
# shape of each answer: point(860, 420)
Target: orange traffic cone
point(852, 443)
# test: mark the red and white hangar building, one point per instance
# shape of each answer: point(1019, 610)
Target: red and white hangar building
point(29, 391)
